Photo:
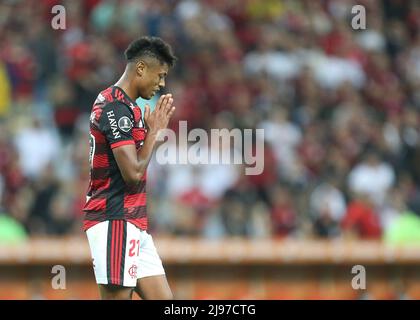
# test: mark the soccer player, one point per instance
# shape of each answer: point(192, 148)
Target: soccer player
point(121, 144)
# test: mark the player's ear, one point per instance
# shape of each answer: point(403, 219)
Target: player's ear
point(140, 68)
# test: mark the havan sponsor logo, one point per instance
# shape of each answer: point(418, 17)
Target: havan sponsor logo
point(113, 124)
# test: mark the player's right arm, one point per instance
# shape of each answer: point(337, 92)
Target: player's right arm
point(133, 163)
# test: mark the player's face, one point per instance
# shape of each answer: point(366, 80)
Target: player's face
point(153, 78)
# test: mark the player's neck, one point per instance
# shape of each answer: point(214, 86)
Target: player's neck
point(129, 88)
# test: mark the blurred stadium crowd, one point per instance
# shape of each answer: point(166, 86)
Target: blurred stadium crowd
point(340, 109)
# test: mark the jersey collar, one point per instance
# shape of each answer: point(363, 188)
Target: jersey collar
point(120, 95)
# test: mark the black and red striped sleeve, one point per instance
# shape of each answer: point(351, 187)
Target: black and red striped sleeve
point(116, 123)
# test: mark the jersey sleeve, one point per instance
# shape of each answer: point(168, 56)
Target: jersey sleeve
point(116, 123)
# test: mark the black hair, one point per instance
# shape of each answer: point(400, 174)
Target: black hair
point(150, 47)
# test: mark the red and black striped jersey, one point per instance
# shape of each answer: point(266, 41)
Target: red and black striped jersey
point(115, 120)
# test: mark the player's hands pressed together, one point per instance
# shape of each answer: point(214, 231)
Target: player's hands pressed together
point(159, 118)
point(133, 163)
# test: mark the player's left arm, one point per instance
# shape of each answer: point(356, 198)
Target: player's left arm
point(133, 164)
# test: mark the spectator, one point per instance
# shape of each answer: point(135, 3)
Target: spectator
point(401, 223)
point(361, 220)
point(37, 146)
point(283, 213)
point(328, 206)
point(11, 231)
point(372, 177)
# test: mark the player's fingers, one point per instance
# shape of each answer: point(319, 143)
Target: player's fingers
point(160, 102)
point(169, 105)
point(171, 112)
point(169, 109)
point(168, 102)
point(146, 112)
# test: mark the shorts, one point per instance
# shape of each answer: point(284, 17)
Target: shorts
point(122, 253)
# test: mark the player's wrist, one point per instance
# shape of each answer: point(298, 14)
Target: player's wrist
point(153, 133)
point(157, 134)
point(153, 136)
